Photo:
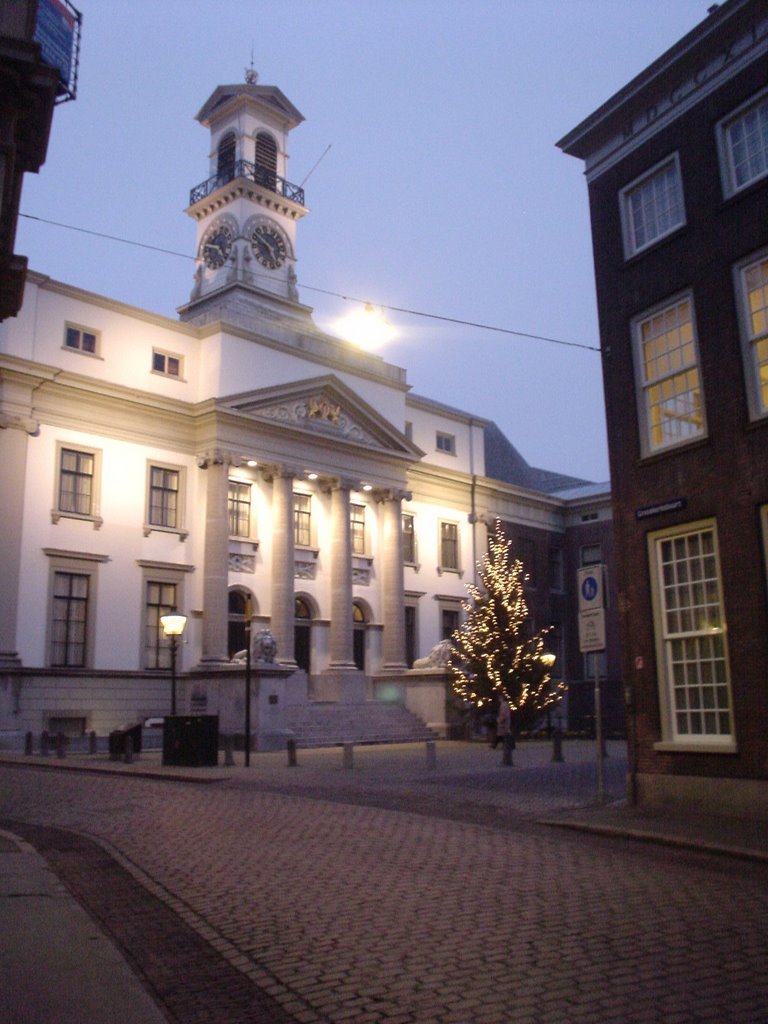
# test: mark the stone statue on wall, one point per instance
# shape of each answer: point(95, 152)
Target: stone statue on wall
point(438, 658)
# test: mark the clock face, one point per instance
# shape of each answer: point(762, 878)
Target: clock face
point(268, 246)
point(217, 246)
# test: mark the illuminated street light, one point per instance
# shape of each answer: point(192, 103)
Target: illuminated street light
point(367, 328)
point(173, 626)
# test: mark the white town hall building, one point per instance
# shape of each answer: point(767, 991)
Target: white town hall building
point(236, 459)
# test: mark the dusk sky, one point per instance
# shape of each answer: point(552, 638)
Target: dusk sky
point(443, 191)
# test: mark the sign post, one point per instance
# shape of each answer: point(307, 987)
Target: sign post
point(247, 682)
point(591, 641)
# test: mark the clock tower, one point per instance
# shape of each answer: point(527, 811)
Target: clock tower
point(246, 210)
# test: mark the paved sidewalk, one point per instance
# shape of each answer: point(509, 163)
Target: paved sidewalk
point(56, 965)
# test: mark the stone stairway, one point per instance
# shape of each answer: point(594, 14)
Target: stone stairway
point(318, 724)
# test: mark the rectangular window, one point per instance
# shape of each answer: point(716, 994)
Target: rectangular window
point(743, 143)
point(446, 443)
point(449, 622)
point(78, 339)
point(409, 540)
point(76, 477)
point(239, 506)
point(357, 525)
point(302, 520)
point(556, 579)
point(753, 286)
point(166, 363)
point(591, 554)
point(671, 409)
point(690, 632)
point(449, 546)
point(160, 600)
point(69, 619)
point(164, 486)
point(526, 552)
point(652, 206)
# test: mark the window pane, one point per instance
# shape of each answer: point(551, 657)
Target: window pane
point(694, 640)
point(302, 534)
point(449, 546)
point(69, 619)
point(76, 481)
point(357, 524)
point(655, 206)
point(409, 540)
point(239, 509)
point(160, 600)
point(747, 139)
point(164, 497)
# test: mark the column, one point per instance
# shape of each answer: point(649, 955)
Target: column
point(341, 644)
point(216, 559)
point(392, 579)
point(283, 565)
point(13, 453)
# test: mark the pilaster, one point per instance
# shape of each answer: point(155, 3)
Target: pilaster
point(216, 463)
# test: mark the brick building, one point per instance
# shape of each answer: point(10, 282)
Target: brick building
point(677, 170)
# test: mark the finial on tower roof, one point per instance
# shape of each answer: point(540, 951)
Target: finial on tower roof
point(251, 75)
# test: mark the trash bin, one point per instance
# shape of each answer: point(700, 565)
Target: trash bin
point(118, 738)
point(191, 741)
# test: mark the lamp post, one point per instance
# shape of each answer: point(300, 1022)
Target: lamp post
point(173, 626)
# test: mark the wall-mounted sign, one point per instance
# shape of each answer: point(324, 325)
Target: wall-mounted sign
point(58, 32)
point(656, 510)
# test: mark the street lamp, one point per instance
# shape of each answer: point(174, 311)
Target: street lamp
point(173, 626)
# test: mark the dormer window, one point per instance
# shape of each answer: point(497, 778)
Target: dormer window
point(225, 166)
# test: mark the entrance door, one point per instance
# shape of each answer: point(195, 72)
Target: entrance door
point(302, 634)
point(358, 636)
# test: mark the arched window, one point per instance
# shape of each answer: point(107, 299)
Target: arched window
point(225, 166)
point(236, 629)
point(266, 161)
point(302, 633)
point(359, 620)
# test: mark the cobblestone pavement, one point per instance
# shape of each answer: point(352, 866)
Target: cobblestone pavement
point(394, 893)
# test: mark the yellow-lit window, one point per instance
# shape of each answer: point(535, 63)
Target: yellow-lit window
point(672, 401)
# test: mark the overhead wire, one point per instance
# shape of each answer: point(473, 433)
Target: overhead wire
point(325, 291)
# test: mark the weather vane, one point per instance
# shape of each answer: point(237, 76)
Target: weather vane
point(251, 75)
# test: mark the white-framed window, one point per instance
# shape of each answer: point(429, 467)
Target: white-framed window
point(448, 547)
point(743, 145)
point(667, 366)
point(71, 607)
point(167, 364)
point(409, 538)
point(239, 508)
point(652, 206)
point(165, 499)
point(81, 339)
point(752, 288)
point(445, 443)
point(302, 520)
point(78, 483)
point(357, 527)
point(691, 640)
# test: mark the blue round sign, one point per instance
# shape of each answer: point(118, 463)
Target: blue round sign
point(589, 588)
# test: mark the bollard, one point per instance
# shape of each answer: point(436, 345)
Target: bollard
point(509, 746)
point(431, 754)
point(291, 753)
point(557, 745)
point(91, 742)
point(61, 742)
point(28, 744)
point(45, 741)
point(229, 750)
point(128, 749)
point(348, 755)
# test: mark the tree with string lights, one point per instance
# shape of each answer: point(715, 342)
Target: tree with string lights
point(494, 655)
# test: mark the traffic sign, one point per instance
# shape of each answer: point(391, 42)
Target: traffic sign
point(590, 588)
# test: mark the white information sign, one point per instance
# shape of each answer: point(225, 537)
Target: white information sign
point(592, 630)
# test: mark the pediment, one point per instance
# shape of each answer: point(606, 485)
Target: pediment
point(324, 407)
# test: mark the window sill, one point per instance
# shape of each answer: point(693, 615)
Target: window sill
point(151, 528)
point(81, 352)
point(705, 747)
point(241, 545)
point(442, 569)
point(412, 565)
point(56, 515)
